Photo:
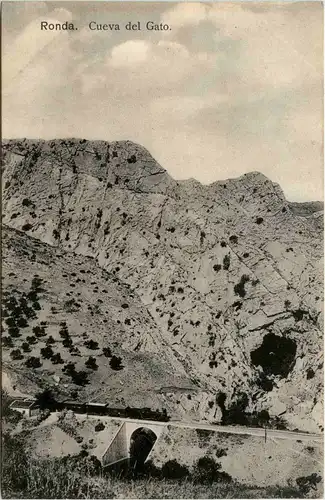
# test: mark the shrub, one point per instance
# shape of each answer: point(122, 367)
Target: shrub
point(91, 363)
point(26, 227)
point(207, 470)
point(27, 203)
point(91, 344)
point(56, 359)
point(7, 341)
point(25, 347)
point(217, 267)
point(116, 363)
point(21, 322)
point(33, 362)
point(202, 236)
point(173, 470)
point(107, 352)
point(31, 339)
point(233, 239)
point(16, 354)
point(99, 427)
point(67, 342)
point(64, 332)
point(80, 378)
point(259, 220)
point(236, 413)
point(14, 331)
point(47, 352)
point(298, 314)
point(45, 399)
point(39, 331)
point(226, 262)
point(131, 159)
point(239, 289)
point(306, 483)
point(204, 436)
point(69, 369)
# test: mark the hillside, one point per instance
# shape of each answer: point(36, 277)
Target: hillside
point(56, 300)
point(225, 280)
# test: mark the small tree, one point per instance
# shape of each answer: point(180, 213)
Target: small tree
point(64, 332)
point(67, 342)
point(56, 359)
point(80, 378)
point(14, 332)
point(33, 362)
point(91, 363)
point(226, 262)
point(16, 354)
point(207, 470)
point(173, 470)
point(116, 363)
point(31, 339)
point(107, 352)
point(7, 341)
point(69, 369)
point(25, 347)
point(47, 352)
point(45, 399)
point(39, 331)
point(91, 344)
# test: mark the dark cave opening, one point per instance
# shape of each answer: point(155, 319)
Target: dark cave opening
point(276, 355)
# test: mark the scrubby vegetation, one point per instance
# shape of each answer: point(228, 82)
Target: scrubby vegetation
point(81, 476)
point(236, 413)
point(239, 289)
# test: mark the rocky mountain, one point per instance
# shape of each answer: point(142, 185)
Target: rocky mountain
point(225, 280)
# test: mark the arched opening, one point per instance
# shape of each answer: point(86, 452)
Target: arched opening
point(141, 443)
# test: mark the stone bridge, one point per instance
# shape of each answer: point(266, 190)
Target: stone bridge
point(132, 439)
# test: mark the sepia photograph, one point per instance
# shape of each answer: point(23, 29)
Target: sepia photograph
point(162, 249)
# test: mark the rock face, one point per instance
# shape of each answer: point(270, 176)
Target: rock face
point(229, 274)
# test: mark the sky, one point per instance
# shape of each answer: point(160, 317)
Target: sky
point(230, 88)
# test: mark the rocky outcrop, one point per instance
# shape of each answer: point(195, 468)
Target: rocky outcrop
point(230, 273)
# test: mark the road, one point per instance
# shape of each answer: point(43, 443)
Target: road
point(251, 431)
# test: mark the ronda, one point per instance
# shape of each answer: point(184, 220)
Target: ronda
point(57, 26)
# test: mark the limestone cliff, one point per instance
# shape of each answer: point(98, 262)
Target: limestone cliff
point(230, 273)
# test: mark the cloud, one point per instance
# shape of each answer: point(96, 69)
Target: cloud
point(29, 45)
point(130, 53)
point(143, 68)
point(185, 14)
point(278, 46)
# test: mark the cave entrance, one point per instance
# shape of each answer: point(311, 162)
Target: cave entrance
point(141, 443)
point(276, 355)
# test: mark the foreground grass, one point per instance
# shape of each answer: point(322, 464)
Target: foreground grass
point(81, 476)
point(68, 479)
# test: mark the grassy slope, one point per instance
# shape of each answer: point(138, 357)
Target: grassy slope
point(45, 479)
